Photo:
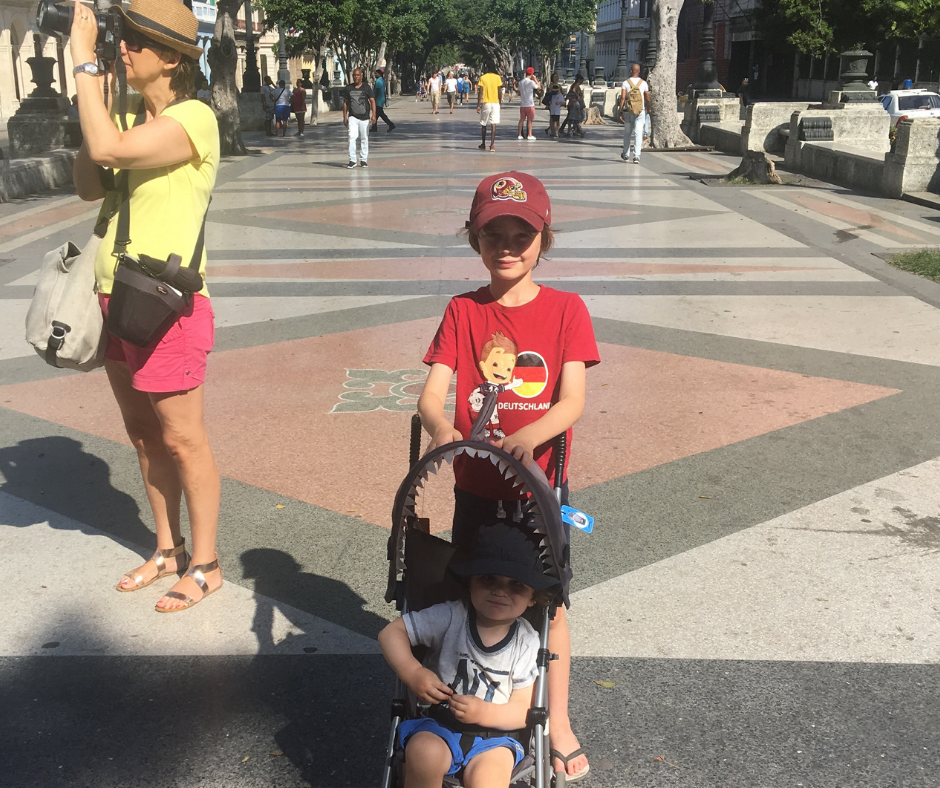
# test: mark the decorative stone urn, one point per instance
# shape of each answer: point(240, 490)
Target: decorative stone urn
point(854, 76)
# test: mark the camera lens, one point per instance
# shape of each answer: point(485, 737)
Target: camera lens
point(52, 19)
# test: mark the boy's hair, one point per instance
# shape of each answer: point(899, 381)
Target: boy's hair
point(499, 340)
point(548, 239)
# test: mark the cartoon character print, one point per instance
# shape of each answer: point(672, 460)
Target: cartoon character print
point(508, 189)
point(497, 362)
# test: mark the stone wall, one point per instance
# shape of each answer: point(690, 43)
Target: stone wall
point(863, 128)
point(729, 114)
point(764, 121)
point(914, 163)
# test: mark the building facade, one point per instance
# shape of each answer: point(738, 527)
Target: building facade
point(607, 34)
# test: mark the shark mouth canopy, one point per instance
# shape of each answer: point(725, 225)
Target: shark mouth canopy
point(540, 509)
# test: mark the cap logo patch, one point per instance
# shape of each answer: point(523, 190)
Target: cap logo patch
point(508, 189)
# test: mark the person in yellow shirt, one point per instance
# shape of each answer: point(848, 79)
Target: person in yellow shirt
point(489, 100)
point(168, 161)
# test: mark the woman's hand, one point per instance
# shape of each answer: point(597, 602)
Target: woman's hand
point(84, 35)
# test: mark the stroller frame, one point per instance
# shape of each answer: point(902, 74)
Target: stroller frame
point(542, 509)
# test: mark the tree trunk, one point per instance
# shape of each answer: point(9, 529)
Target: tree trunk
point(223, 59)
point(317, 75)
point(500, 55)
point(547, 73)
point(664, 122)
point(381, 55)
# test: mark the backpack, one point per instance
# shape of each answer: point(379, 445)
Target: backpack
point(634, 97)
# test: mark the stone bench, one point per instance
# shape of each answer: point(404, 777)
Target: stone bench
point(764, 123)
point(726, 137)
point(836, 162)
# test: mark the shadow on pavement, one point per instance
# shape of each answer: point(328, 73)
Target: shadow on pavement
point(277, 575)
point(56, 473)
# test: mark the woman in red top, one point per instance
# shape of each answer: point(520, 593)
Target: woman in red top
point(298, 105)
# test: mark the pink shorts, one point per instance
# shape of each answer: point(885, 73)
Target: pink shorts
point(177, 362)
point(527, 113)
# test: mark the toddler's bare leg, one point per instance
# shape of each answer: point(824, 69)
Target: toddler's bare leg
point(490, 769)
point(427, 759)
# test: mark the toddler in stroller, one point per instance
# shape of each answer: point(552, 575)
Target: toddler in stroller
point(487, 652)
point(472, 697)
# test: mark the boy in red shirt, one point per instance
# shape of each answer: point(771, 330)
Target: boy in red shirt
point(532, 345)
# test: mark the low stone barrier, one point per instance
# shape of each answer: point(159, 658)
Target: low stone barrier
point(36, 174)
point(763, 123)
point(913, 165)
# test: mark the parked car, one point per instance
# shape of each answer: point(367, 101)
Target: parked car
point(902, 104)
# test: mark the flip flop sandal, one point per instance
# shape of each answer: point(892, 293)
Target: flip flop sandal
point(159, 559)
point(577, 776)
point(197, 574)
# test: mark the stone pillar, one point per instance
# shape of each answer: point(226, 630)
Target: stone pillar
point(582, 67)
point(652, 47)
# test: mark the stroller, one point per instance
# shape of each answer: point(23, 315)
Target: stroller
point(418, 578)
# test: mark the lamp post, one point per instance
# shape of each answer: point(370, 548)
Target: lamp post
point(706, 70)
point(652, 46)
point(621, 73)
point(283, 72)
point(583, 45)
point(251, 79)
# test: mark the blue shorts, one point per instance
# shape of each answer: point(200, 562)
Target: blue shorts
point(409, 728)
point(282, 112)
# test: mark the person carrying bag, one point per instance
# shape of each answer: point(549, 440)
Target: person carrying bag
point(156, 179)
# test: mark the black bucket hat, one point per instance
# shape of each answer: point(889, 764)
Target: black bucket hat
point(506, 552)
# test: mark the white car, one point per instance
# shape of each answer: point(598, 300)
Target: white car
point(902, 104)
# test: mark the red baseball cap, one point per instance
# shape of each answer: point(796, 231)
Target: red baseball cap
point(511, 194)
point(530, 70)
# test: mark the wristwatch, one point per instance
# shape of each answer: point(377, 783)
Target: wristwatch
point(87, 68)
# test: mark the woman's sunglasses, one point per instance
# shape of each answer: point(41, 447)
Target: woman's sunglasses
point(135, 42)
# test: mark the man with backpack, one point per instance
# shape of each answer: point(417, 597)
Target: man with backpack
point(634, 106)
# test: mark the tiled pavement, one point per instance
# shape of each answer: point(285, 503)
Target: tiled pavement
point(760, 449)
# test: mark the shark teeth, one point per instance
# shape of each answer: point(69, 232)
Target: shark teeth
point(449, 457)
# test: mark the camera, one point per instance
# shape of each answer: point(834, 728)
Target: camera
point(56, 20)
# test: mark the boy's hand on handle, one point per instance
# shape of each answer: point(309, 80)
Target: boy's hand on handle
point(428, 687)
point(519, 446)
point(468, 709)
point(444, 435)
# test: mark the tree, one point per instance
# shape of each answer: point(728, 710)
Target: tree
point(223, 58)
point(664, 120)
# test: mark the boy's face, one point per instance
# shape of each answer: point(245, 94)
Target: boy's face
point(499, 600)
point(497, 367)
point(509, 248)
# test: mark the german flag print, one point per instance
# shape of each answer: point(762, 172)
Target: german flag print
point(531, 367)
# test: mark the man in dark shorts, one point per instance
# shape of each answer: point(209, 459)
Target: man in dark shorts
point(358, 114)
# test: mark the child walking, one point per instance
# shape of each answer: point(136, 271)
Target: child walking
point(531, 344)
point(481, 668)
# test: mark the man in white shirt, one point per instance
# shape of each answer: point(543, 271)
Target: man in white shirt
point(527, 89)
point(450, 87)
point(634, 106)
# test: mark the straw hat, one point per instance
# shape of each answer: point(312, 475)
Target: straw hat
point(167, 22)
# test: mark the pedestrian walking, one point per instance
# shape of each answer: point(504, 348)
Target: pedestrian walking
point(460, 88)
point(574, 103)
point(510, 86)
point(527, 89)
point(298, 105)
point(422, 92)
point(489, 100)
point(268, 104)
point(282, 98)
point(556, 100)
point(434, 88)
point(634, 107)
point(358, 115)
point(159, 389)
point(450, 87)
point(467, 88)
point(381, 101)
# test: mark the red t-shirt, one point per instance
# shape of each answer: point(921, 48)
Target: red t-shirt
point(298, 100)
point(525, 348)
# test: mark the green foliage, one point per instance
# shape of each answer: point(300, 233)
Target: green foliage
point(816, 27)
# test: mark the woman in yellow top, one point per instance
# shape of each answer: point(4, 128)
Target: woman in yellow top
point(171, 161)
